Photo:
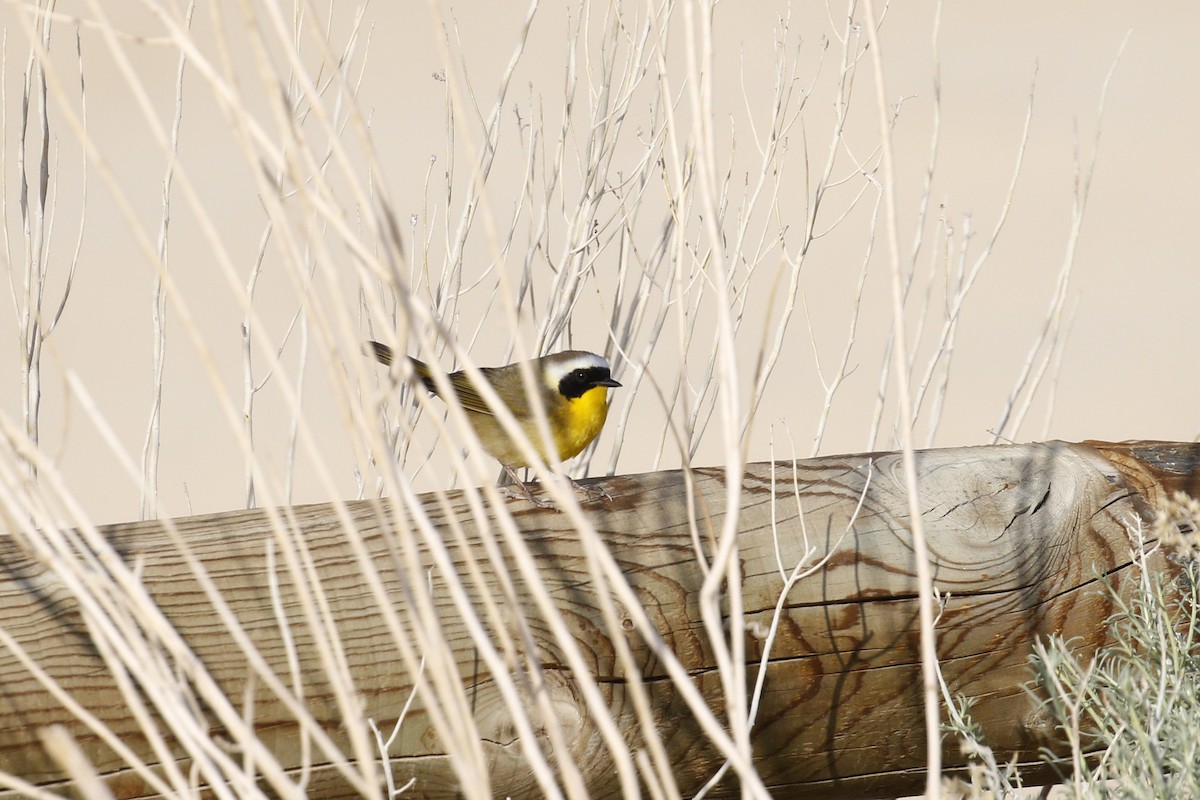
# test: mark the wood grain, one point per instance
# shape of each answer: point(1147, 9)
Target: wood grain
point(1018, 536)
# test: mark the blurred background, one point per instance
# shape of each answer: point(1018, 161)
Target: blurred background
point(1076, 324)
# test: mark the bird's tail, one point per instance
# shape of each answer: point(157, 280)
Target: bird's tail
point(384, 355)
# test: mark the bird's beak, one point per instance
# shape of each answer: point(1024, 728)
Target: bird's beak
point(608, 382)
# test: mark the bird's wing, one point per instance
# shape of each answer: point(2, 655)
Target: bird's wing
point(468, 396)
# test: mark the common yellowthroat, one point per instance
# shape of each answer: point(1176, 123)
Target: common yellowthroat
point(573, 386)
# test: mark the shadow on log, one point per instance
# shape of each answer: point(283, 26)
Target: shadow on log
point(1017, 534)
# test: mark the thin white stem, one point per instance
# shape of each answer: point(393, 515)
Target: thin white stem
point(928, 646)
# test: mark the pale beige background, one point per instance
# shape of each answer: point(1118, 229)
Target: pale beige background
point(1127, 370)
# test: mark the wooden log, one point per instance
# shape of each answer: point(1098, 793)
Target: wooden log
point(1017, 535)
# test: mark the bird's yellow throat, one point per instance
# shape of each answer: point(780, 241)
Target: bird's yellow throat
point(579, 421)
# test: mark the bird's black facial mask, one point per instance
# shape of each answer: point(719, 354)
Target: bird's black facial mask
point(578, 381)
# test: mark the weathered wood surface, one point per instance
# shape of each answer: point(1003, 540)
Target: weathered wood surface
point(1017, 534)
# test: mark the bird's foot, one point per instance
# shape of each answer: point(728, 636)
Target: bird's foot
point(522, 492)
point(589, 492)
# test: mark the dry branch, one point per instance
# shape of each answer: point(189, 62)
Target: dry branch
point(1017, 534)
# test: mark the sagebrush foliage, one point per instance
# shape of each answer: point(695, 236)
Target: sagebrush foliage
point(1130, 713)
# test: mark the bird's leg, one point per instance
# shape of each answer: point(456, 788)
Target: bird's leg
point(525, 491)
point(589, 492)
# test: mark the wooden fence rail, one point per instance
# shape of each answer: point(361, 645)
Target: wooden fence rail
point(1017, 534)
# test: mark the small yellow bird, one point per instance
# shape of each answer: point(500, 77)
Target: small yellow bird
point(573, 387)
